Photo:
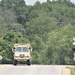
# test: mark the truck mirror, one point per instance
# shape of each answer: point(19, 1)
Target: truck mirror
point(30, 49)
point(73, 49)
point(13, 49)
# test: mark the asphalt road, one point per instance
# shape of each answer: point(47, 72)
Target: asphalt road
point(31, 70)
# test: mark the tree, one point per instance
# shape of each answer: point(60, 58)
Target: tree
point(39, 48)
point(47, 26)
point(59, 0)
point(60, 43)
point(7, 42)
point(9, 17)
point(13, 3)
point(48, 1)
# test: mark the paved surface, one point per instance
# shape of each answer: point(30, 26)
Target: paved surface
point(31, 70)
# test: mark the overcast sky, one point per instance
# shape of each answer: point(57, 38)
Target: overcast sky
point(31, 2)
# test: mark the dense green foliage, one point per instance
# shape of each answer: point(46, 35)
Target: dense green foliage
point(49, 27)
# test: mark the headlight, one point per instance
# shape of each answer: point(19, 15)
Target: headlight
point(27, 56)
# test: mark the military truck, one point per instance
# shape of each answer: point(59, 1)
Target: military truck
point(22, 53)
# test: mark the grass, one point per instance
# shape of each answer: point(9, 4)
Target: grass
point(72, 71)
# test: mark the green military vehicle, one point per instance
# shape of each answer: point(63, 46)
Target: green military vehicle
point(22, 53)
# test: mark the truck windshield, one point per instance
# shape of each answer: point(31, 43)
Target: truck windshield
point(22, 49)
point(25, 49)
point(18, 49)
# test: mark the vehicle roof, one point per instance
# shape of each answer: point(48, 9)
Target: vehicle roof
point(22, 45)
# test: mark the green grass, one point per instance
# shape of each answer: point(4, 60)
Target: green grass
point(72, 71)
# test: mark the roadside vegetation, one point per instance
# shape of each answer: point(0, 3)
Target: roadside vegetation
point(72, 71)
point(49, 27)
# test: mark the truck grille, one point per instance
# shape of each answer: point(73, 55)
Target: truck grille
point(22, 55)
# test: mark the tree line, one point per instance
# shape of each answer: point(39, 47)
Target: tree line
point(49, 27)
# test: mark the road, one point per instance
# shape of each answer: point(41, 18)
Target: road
point(31, 70)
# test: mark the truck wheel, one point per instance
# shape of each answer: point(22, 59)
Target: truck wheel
point(15, 62)
point(28, 62)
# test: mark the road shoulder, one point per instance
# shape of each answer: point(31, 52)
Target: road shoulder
point(2, 66)
point(66, 71)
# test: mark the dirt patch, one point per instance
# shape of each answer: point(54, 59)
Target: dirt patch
point(66, 71)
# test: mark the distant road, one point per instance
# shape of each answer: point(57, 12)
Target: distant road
point(31, 70)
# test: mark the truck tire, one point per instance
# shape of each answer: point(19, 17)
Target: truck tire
point(15, 62)
point(28, 62)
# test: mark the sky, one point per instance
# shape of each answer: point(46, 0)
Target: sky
point(31, 2)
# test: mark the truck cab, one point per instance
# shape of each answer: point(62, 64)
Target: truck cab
point(22, 53)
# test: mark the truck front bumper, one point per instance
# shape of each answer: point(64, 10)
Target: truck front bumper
point(21, 59)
